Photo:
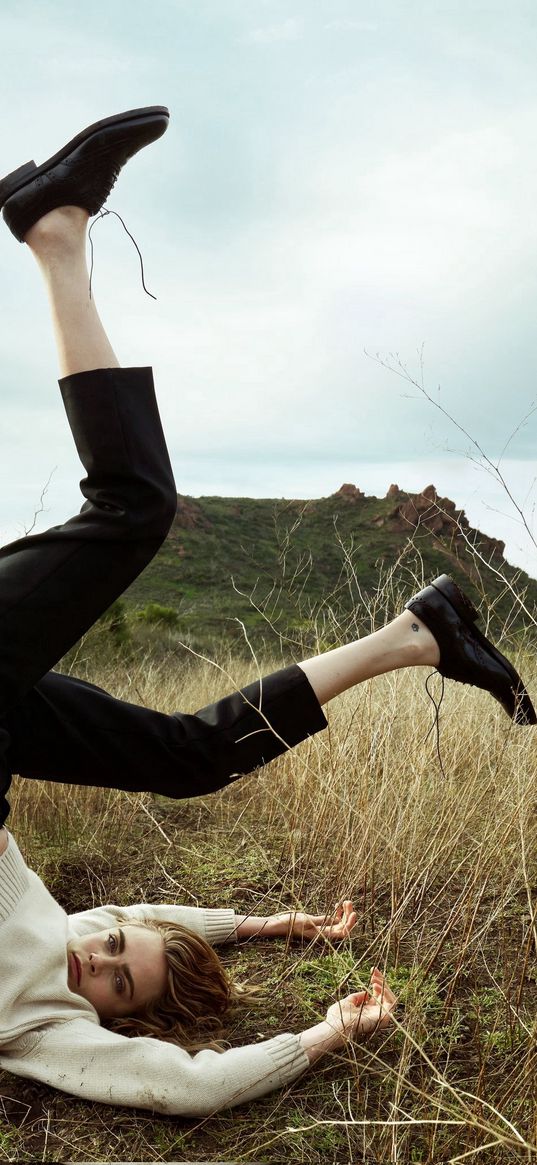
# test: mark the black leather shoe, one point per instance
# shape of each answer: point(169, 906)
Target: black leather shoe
point(83, 172)
point(465, 654)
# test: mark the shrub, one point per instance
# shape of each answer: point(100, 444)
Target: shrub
point(155, 614)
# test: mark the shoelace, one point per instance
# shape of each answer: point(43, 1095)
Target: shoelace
point(436, 723)
point(102, 214)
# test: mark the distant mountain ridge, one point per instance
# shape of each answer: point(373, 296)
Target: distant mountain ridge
point(269, 566)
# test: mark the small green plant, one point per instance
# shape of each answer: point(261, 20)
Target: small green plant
point(318, 980)
point(156, 615)
point(488, 1011)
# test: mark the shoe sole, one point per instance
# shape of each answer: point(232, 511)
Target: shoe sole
point(459, 601)
point(524, 710)
point(21, 177)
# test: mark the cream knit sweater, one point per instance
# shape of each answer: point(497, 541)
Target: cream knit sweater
point(50, 1034)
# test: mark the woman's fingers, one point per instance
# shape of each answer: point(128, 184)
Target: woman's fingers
point(381, 987)
point(346, 918)
point(358, 998)
point(341, 911)
point(383, 995)
point(338, 925)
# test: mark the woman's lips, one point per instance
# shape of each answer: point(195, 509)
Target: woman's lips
point(77, 967)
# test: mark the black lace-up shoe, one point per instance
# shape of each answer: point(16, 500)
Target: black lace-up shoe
point(83, 172)
point(465, 654)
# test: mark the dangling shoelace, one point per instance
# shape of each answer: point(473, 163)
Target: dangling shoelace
point(436, 723)
point(102, 214)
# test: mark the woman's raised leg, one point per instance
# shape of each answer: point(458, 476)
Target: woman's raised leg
point(67, 730)
point(405, 642)
point(54, 585)
point(58, 242)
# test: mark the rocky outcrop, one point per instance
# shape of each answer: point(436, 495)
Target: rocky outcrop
point(440, 516)
point(349, 493)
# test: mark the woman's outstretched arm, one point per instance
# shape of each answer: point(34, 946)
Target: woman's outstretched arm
point(297, 924)
point(92, 1063)
point(218, 926)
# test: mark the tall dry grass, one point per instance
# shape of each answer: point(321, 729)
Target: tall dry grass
point(440, 856)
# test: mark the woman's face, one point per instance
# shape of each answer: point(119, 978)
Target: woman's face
point(119, 971)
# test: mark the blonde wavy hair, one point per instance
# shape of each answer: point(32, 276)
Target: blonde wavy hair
point(199, 992)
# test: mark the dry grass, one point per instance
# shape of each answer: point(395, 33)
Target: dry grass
point(443, 869)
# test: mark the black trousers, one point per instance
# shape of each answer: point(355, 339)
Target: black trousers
point(53, 586)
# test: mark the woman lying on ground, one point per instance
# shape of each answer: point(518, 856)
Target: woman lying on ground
point(61, 976)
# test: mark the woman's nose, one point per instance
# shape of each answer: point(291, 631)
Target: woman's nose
point(98, 962)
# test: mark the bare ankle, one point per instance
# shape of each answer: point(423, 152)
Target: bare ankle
point(418, 640)
point(62, 228)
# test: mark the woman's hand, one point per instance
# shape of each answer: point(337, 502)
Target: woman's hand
point(334, 927)
point(359, 1014)
point(364, 1011)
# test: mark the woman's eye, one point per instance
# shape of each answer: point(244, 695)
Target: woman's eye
point(112, 943)
point(119, 984)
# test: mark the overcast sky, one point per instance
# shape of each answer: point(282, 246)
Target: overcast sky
point(339, 177)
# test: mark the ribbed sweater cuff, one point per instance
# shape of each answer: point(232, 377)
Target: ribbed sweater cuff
point(220, 926)
point(288, 1055)
point(13, 879)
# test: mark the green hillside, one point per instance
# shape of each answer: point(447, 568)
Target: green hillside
point(307, 569)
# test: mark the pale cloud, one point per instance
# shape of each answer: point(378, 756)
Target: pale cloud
point(354, 193)
point(351, 26)
point(289, 29)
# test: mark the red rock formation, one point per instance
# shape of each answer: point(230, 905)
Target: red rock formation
point(441, 517)
point(349, 492)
